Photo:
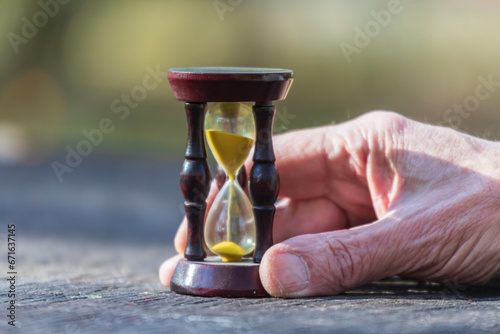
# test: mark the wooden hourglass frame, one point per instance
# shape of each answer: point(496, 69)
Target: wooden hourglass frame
point(198, 274)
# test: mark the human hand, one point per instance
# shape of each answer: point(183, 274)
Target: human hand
point(375, 197)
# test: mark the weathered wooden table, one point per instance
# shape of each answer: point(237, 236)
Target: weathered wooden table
point(88, 251)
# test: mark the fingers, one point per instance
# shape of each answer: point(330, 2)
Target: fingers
point(315, 164)
point(328, 162)
point(167, 269)
point(330, 263)
point(296, 217)
point(300, 160)
point(181, 237)
point(292, 218)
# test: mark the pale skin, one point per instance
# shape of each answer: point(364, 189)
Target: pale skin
point(375, 197)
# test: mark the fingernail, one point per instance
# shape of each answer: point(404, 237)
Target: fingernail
point(290, 272)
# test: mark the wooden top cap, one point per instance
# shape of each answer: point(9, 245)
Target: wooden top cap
point(230, 84)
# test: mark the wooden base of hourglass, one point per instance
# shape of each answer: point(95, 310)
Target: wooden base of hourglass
point(214, 278)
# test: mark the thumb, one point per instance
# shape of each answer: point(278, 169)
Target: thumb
point(332, 262)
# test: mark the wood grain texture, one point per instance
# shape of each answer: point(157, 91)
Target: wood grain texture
point(264, 179)
point(122, 304)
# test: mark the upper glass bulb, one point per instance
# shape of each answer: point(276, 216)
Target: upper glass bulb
point(230, 133)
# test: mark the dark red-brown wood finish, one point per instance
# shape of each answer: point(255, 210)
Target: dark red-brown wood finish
point(195, 181)
point(264, 179)
point(229, 84)
point(212, 278)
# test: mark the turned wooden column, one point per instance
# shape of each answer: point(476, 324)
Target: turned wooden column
point(195, 181)
point(264, 178)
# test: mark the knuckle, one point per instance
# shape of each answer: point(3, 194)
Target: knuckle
point(385, 130)
point(386, 116)
point(387, 120)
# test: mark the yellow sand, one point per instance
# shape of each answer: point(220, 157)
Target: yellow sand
point(229, 149)
point(229, 251)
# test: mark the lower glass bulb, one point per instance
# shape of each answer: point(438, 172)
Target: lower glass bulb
point(230, 225)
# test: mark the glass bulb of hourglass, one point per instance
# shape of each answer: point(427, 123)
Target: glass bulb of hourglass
point(230, 225)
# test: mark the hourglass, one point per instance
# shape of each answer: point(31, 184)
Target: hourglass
point(236, 230)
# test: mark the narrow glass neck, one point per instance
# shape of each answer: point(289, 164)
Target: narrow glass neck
point(233, 181)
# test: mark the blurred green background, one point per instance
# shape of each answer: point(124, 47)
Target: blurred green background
point(64, 78)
